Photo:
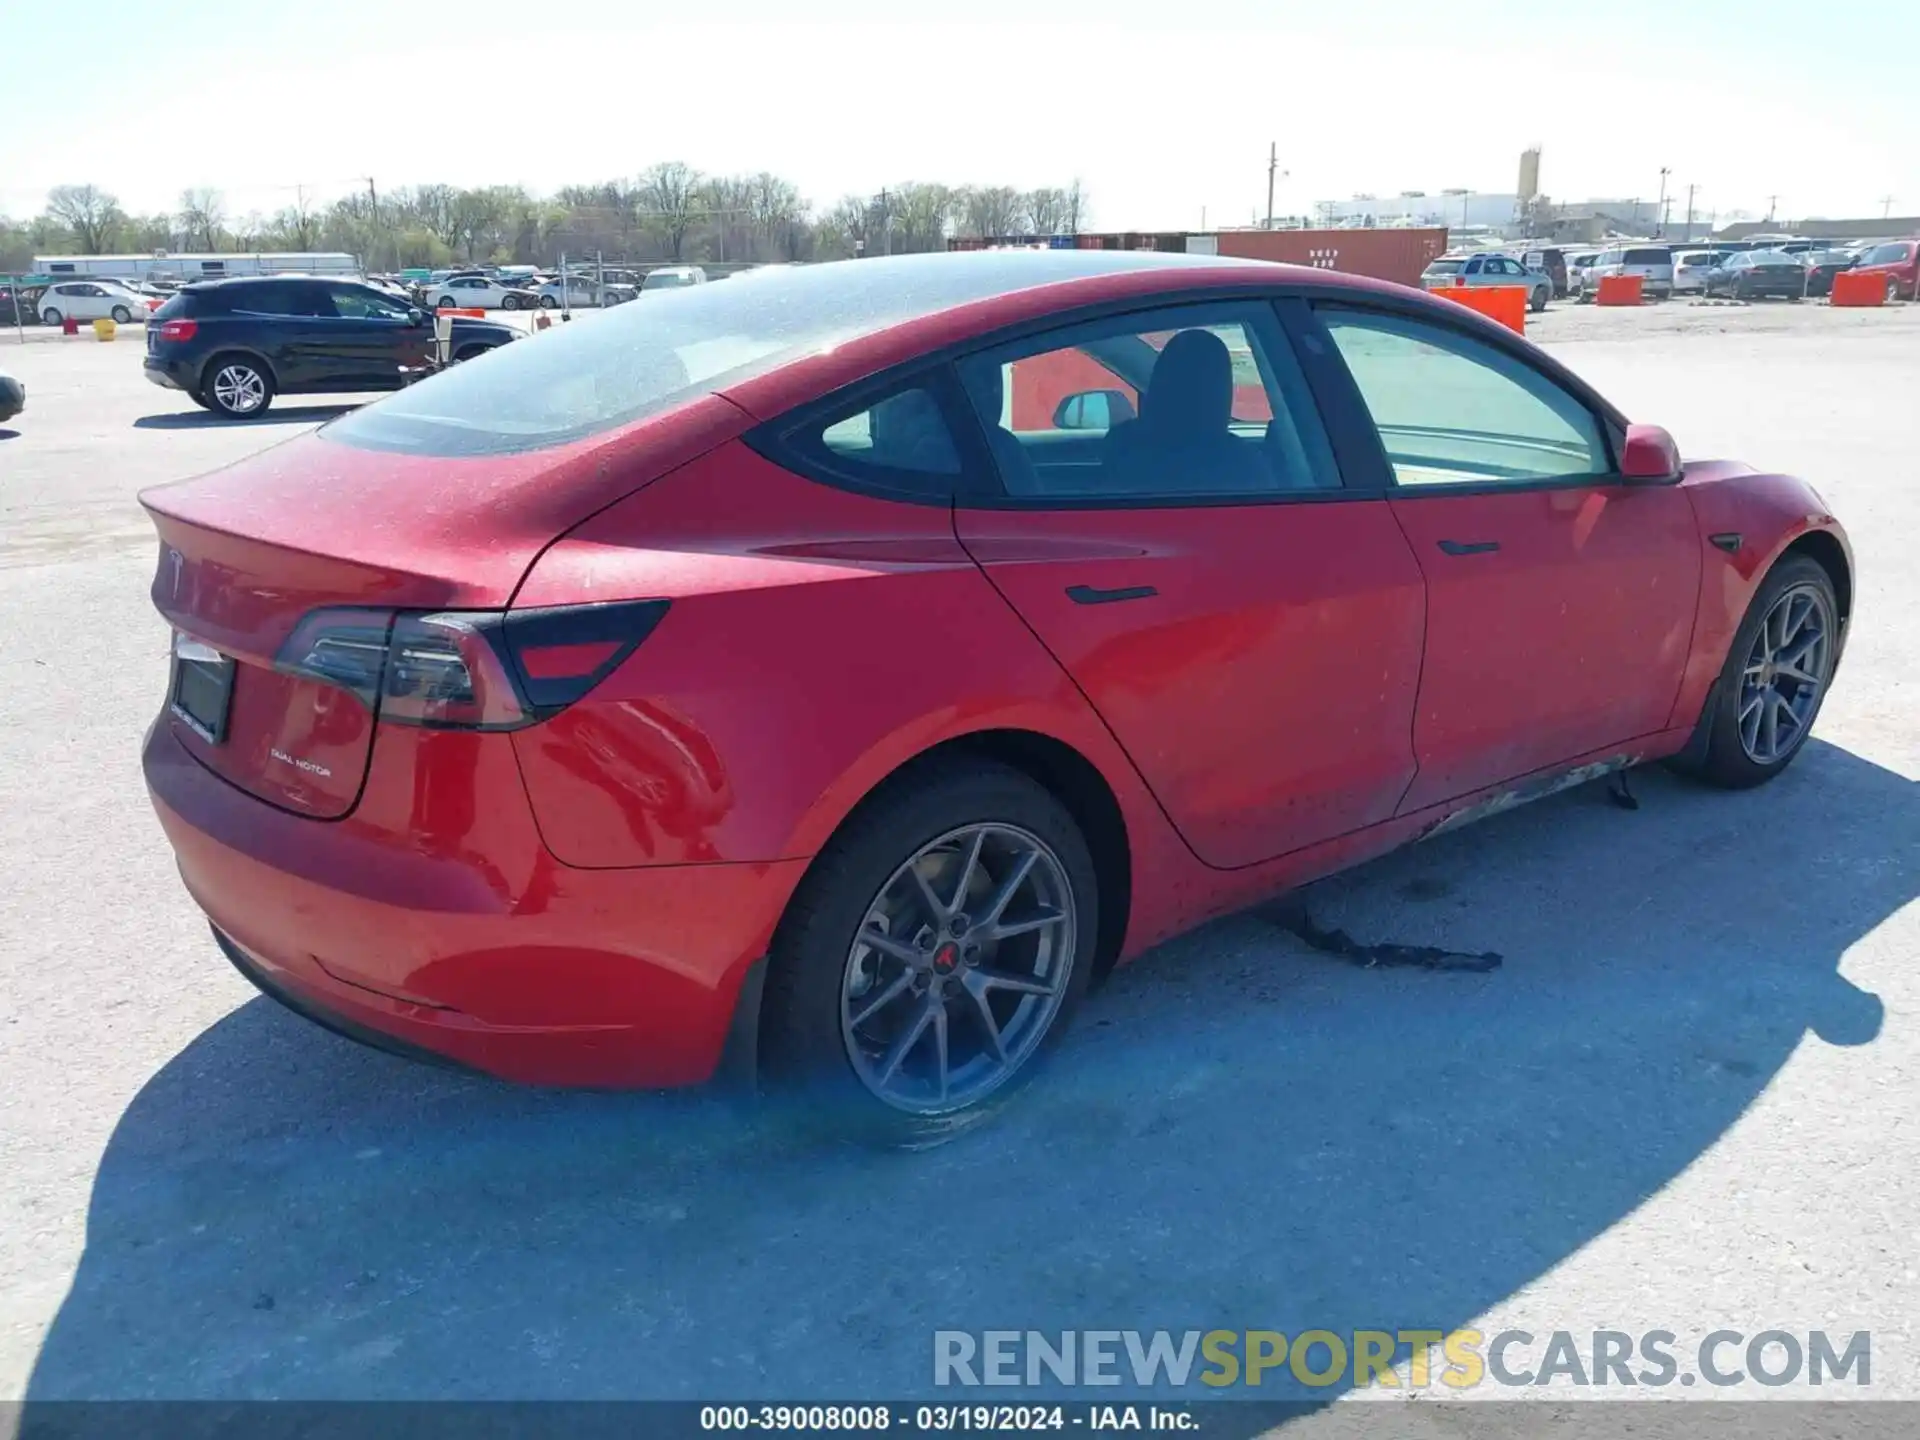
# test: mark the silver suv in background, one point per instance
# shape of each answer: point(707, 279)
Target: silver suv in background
point(1652, 263)
point(1477, 270)
point(1691, 267)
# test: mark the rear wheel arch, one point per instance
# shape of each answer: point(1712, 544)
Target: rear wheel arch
point(1065, 773)
point(237, 352)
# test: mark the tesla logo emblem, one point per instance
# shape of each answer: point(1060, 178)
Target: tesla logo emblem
point(174, 559)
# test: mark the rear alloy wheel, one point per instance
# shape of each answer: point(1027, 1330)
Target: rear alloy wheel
point(509, 302)
point(1776, 676)
point(1893, 289)
point(936, 947)
point(547, 302)
point(122, 315)
point(446, 302)
point(238, 388)
point(51, 316)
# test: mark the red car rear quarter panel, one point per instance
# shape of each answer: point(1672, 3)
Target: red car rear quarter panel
point(817, 640)
point(1768, 512)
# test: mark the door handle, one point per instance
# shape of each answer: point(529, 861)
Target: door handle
point(1469, 547)
point(1088, 595)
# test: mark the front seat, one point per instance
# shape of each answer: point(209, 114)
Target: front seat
point(1015, 465)
point(1182, 442)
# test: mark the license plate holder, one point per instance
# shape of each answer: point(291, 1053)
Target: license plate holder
point(200, 692)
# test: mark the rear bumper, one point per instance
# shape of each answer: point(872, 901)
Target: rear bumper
point(479, 949)
point(172, 373)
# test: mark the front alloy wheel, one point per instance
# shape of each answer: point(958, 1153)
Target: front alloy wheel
point(1786, 670)
point(958, 969)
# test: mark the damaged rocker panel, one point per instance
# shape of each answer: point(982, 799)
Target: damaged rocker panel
point(1524, 791)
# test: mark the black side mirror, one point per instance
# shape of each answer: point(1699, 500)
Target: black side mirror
point(416, 316)
point(1093, 410)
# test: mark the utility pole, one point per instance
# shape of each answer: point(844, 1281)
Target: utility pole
point(1273, 170)
point(1772, 201)
point(373, 234)
point(1886, 206)
point(1660, 209)
point(1690, 190)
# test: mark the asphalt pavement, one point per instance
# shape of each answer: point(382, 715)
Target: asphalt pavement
point(1685, 1101)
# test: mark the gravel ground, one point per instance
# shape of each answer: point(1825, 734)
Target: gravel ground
point(1685, 1102)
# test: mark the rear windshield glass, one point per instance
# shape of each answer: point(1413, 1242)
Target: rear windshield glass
point(1445, 267)
point(630, 361)
point(1647, 257)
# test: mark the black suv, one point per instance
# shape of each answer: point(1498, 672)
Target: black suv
point(235, 344)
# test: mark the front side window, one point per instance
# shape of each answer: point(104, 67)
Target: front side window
point(1453, 410)
point(1187, 402)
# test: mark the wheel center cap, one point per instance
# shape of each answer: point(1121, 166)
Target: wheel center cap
point(946, 959)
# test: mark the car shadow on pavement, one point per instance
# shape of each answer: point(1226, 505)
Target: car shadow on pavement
point(1239, 1134)
point(279, 415)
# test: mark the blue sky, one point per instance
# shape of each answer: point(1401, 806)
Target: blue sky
point(1160, 108)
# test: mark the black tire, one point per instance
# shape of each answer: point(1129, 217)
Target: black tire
point(802, 1050)
point(547, 302)
point(509, 302)
point(1538, 300)
point(1716, 755)
point(1893, 290)
point(446, 302)
point(211, 386)
point(121, 315)
point(51, 316)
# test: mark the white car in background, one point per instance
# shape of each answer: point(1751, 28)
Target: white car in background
point(89, 300)
point(1691, 267)
point(673, 277)
point(479, 292)
point(577, 290)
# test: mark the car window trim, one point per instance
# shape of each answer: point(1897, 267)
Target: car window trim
point(1612, 425)
point(779, 440)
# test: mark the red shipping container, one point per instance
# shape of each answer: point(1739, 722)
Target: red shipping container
point(1397, 255)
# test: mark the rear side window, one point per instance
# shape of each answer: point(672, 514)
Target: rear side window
point(270, 300)
point(900, 442)
point(1454, 410)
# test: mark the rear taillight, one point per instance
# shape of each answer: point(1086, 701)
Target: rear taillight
point(179, 329)
point(468, 669)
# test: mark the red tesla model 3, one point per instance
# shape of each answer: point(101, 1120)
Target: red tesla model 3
point(833, 670)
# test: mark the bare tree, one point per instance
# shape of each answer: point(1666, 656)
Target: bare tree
point(990, 209)
point(667, 192)
point(843, 230)
point(203, 212)
point(1075, 203)
point(1046, 210)
point(298, 225)
point(921, 213)
point(89, 212)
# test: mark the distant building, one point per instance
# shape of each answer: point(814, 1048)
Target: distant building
point(1418, 208)
point(1894, 228)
